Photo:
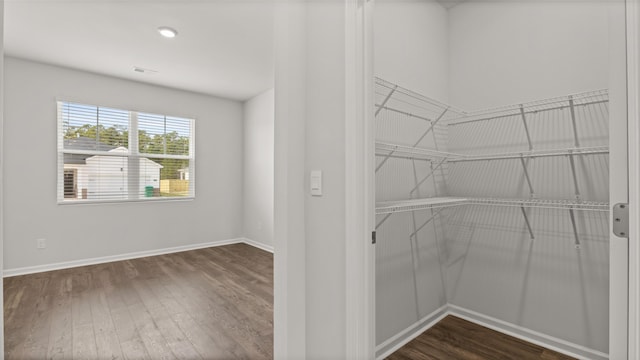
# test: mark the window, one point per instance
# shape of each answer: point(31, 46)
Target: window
point(107, 154)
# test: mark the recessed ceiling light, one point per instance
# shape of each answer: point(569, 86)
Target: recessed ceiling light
point(167, 32)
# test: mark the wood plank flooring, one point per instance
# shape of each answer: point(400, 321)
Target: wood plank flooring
point(457, 339)
point(214, 303)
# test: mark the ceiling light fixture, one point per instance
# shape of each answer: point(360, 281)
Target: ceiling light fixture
point(167, 32)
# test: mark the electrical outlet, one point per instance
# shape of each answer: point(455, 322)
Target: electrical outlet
point(259, 225)
point(41, 243)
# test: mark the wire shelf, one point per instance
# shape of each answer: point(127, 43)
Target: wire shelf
point(383, 87)
point(533, 107)
point(390, 207)
point(414, 127)
point(416, 153)
point(400, 100)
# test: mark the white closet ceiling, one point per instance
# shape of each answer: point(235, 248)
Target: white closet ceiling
point(223, 48)
point(450, 3)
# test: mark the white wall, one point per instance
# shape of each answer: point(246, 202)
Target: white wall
point(505, 52)
point(511, 52)
point(289, 261)
point(310, 241)
point(410, 45)
point(411, 50)
point(325, 150)
point(86, 231)
point(259, 114)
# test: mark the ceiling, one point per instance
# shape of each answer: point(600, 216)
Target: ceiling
point(450, 3)
point(223, 48)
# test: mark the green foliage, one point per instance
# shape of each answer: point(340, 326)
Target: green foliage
point(170, 143)
point(114, 135)
point(175, 144)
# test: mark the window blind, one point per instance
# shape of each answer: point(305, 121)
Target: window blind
point(107, 154)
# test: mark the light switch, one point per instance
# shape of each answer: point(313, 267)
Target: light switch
point(316, 183)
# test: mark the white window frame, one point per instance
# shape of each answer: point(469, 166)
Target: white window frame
point(133, 155)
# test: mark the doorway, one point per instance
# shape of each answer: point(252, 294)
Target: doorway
point(476, 254)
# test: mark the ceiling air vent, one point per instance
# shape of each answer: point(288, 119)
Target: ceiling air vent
point(144, 71)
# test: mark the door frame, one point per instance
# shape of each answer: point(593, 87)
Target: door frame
point(633, 116)
point(358, 324)
point(359, 182)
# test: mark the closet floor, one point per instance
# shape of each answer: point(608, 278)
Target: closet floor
point(213, 303)
point(457, 339)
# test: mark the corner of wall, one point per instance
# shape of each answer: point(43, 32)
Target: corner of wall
point(258, 169)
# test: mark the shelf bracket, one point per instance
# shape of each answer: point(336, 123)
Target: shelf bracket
point(576, 142)
point(384, 102)
point(433, 170)
point(431, 127)
point(526, 175)
point(575, 176)
point(383, 220)
point(575, 230)
point(386, 157)
point(435, 183)
point(417, 142)
point(526, 127)
point(526, 220)
point(425, 223)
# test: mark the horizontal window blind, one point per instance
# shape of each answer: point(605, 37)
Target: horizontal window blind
point(107, 154)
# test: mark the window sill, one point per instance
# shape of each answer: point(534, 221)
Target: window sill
point(142, 200)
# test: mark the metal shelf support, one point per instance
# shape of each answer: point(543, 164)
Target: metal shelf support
point(433, 170)
point(383, 220)
point(575, 176)
point(526, 175)
point(575, 230)
point(386, 157)
point(526, 127)
point(415, 232)
point(576, 140)
point(431, 127)
point(526, 220)
point(417, 142)
point(384, 102)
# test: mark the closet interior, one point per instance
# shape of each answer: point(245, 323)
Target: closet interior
point(499, 216)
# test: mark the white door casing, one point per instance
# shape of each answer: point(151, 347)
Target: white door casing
point(633, 137)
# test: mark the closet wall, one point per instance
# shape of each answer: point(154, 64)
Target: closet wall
point(411, 50)
point(411, 46)
point(481, 260)
point(509, 52)
point(506, 53)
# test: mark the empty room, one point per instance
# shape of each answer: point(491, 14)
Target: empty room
point(140, 222)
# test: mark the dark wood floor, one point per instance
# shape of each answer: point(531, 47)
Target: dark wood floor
point(457, 339)
point(214, 303)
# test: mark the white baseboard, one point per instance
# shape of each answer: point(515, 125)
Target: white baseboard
point(128, 256)
point(534, 337)
point(396, 342)
point(258, 245)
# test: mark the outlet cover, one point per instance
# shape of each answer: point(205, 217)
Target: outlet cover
point(41, 243)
